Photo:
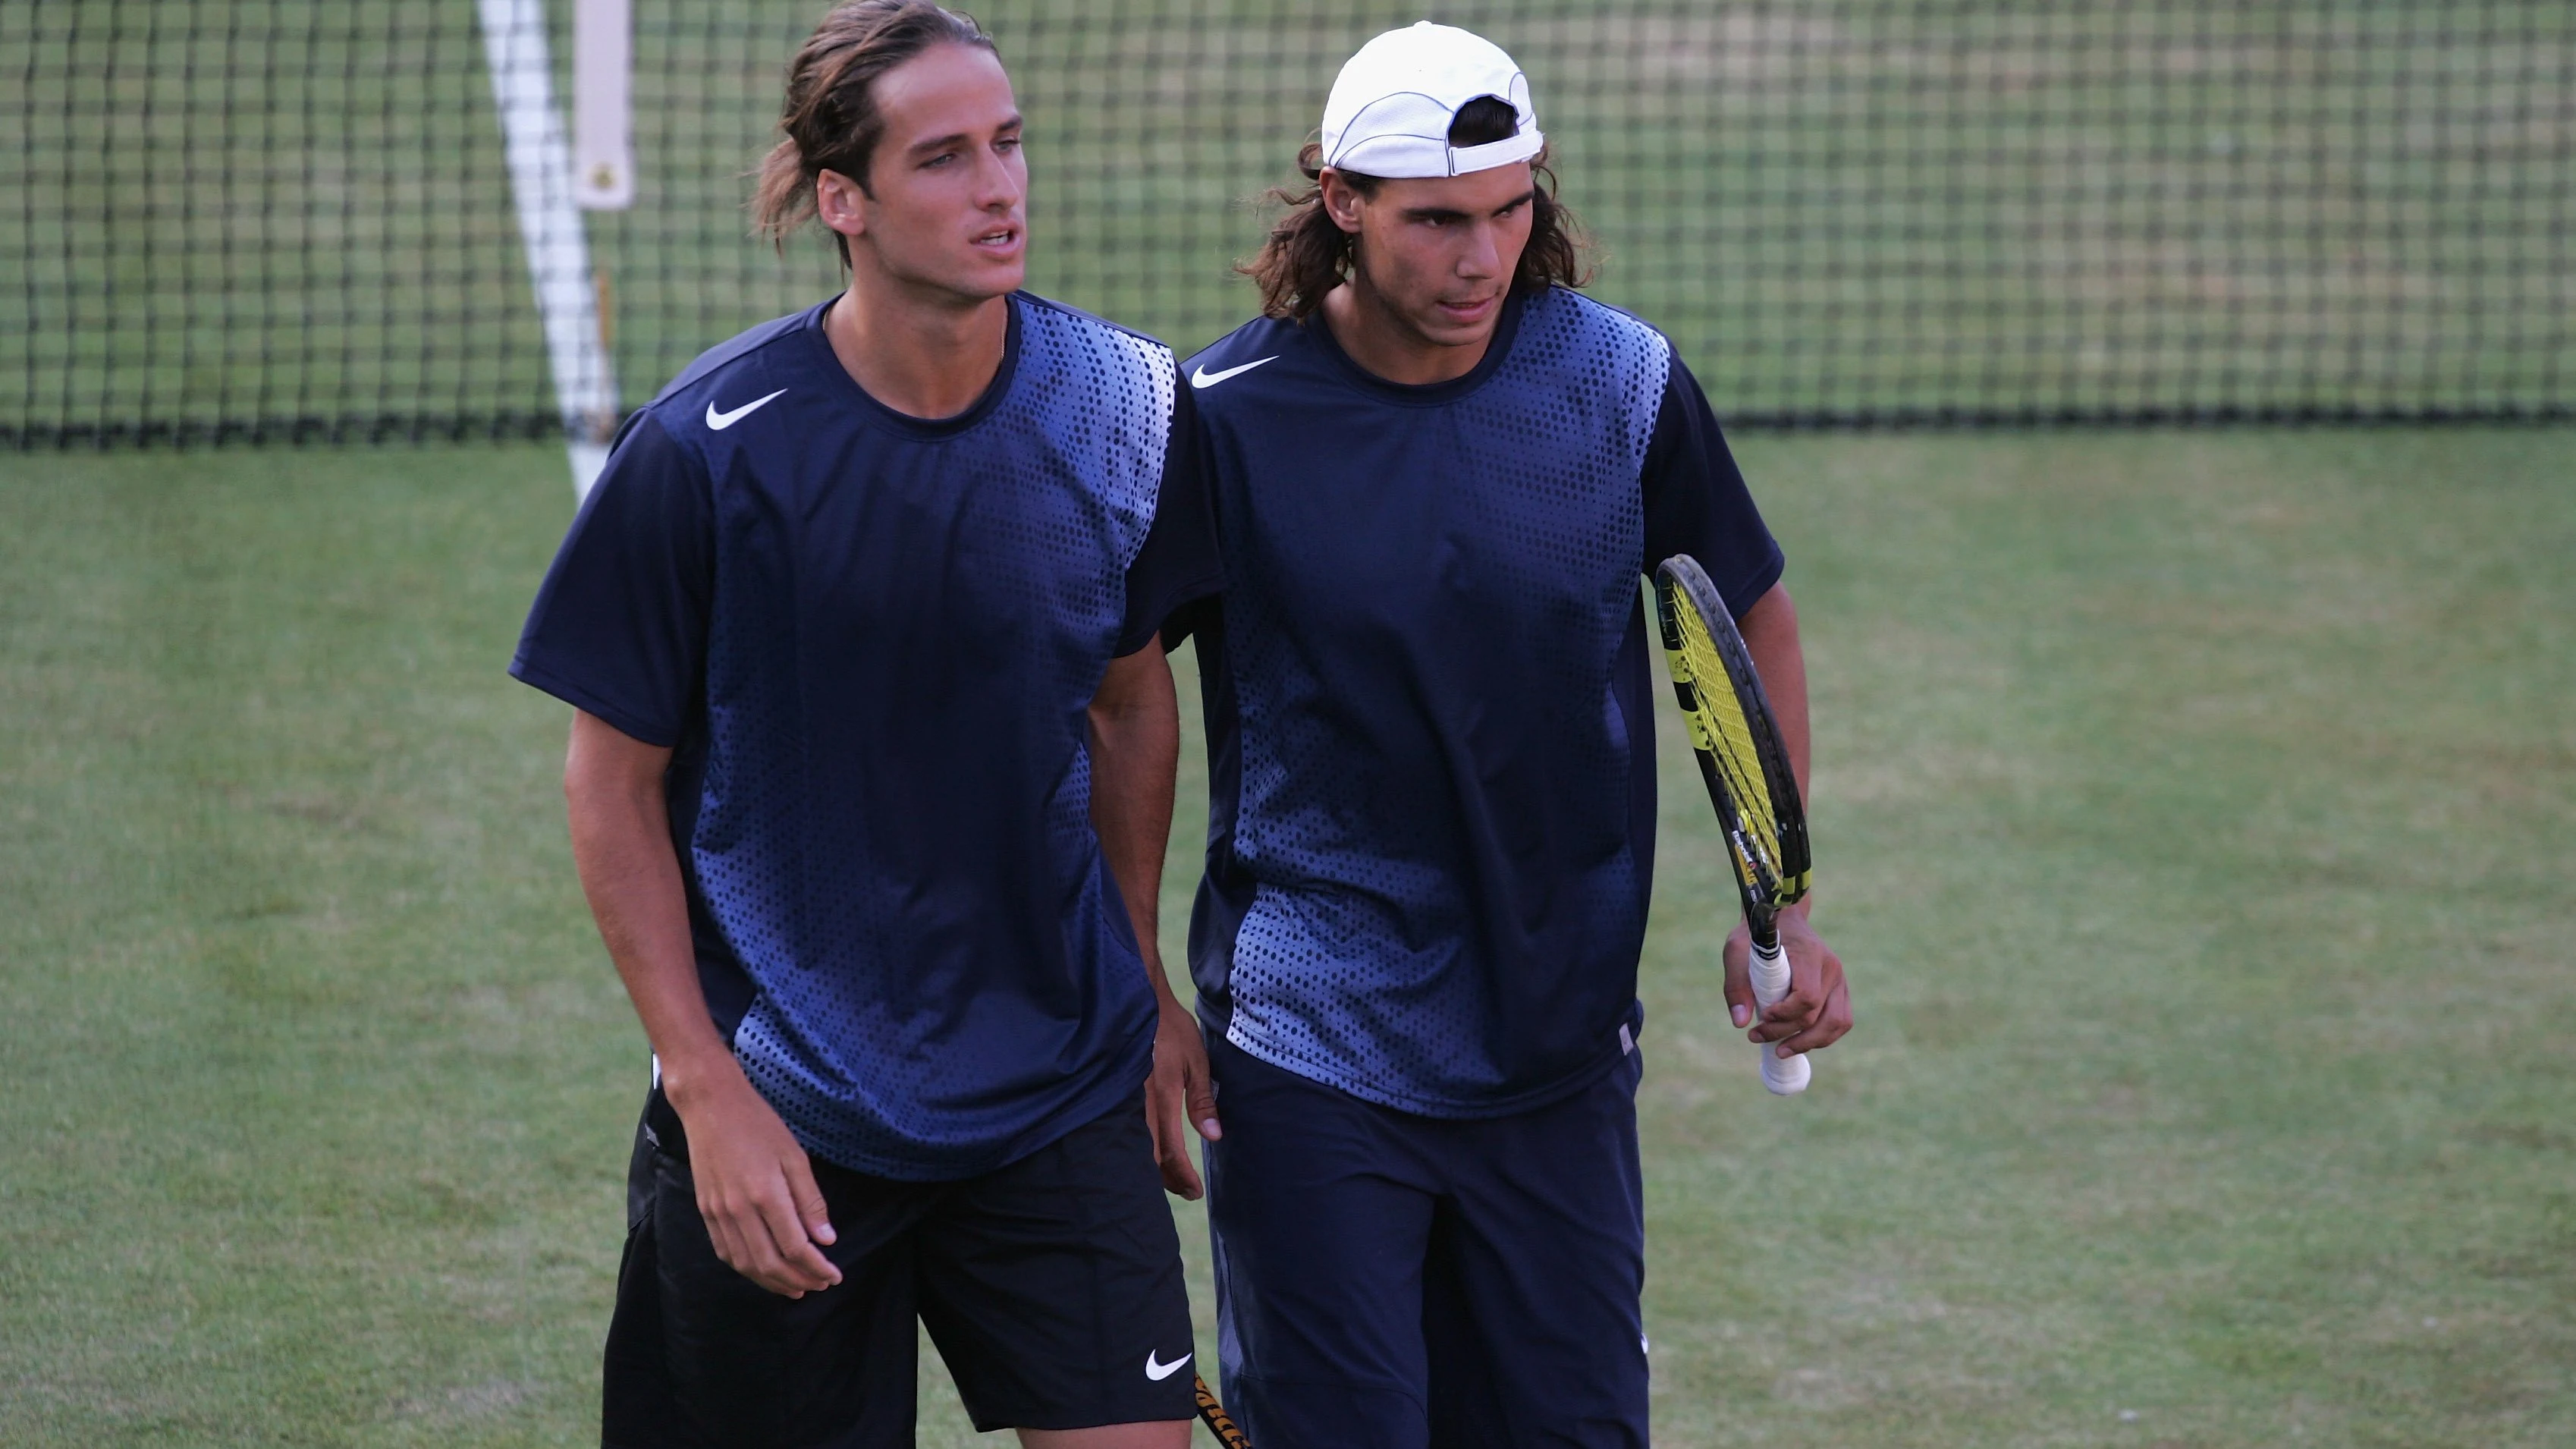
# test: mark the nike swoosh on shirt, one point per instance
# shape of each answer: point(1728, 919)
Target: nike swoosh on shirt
point(1205, 378)
point(1157, 1370)
point(718, 422)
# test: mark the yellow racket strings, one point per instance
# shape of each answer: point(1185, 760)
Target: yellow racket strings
point(1720, 730)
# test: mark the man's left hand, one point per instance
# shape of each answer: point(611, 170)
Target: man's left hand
point(1179, 1096)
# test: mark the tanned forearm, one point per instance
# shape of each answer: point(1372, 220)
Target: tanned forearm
point(1770, 630)
point(1135, 749)
point(755, 1186)
point(1135, 746)
point(621, 844)
point(1817, 1010)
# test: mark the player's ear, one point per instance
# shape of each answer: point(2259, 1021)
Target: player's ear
point(1342, 201)
point(840, 204)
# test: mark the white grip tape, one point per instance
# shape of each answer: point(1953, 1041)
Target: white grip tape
point(1770, 970)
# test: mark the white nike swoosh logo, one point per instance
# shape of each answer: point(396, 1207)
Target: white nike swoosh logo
point(1205, 378)
point(1155, 1368)
point(718, 422)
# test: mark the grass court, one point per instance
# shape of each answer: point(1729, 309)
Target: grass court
point(2194, 811)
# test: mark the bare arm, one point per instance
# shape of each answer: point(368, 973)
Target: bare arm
point(1770, 630)
point(755, 1187)
point(1817, 1010)
point(1135, 748)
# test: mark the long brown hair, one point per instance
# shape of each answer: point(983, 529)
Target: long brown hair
point(830, 116)
point(1307, 255)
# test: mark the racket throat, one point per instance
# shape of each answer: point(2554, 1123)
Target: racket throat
point(1769, 967)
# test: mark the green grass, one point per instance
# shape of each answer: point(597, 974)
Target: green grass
point(2194, 811)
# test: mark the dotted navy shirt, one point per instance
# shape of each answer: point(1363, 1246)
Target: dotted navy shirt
point(869, 640)
point(1429, 706)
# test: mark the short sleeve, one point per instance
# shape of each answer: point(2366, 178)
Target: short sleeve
point(1178, 563)
point(619, 628)
point(1696, 501)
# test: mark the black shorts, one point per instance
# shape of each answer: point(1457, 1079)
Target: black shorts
point(1052, 1288)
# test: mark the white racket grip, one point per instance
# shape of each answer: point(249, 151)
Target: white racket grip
point(1786, 1077)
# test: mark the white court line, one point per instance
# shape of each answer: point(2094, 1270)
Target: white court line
point(514, 39)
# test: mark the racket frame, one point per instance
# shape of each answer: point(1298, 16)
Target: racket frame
point(1767, 885)
point(1767, 891)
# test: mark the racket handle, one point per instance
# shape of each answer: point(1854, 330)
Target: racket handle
point(1785, 1076)
point(1214, 1415)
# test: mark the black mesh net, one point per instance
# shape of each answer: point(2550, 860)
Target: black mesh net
point(254, 219)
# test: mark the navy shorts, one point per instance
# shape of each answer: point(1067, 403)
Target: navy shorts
point(1391, 1281)
point(1052, 1288)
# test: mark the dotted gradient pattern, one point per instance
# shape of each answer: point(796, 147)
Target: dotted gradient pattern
point(1390, 913)
point(891, 1031)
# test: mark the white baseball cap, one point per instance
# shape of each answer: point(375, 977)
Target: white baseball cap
point(1391, 106)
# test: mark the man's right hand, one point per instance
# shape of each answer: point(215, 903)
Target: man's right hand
point(756, 1187)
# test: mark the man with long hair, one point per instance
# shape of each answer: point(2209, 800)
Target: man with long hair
point(870, 778)
point(1438, 472)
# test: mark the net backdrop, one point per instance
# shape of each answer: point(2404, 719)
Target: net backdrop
point(270, 219)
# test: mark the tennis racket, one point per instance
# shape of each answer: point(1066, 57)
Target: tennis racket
point(1747, 770)
point(1214, 1414)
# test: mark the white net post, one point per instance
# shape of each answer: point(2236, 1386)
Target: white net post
point(603, 118)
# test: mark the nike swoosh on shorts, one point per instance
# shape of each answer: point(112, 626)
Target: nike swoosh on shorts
point(718, 422)
point(1157, 1370)
point(1205, 378)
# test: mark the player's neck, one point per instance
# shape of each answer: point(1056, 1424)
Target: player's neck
point(923, 355)
point(1376, 336)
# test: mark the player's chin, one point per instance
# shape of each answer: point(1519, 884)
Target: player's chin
point(976, 274)
point(1464, 325)
point(985, 283)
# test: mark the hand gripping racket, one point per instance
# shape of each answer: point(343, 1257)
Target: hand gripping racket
point(1740, 755)
point(1217, 1421)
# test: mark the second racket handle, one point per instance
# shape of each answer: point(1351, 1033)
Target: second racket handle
point(1787, 1076)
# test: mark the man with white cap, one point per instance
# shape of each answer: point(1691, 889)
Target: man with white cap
point(1438, 473)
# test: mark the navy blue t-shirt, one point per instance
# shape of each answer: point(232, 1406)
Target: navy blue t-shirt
point(870, 641)
point(1430, 712)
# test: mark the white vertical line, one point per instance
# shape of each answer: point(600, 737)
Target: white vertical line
point(514, 39)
